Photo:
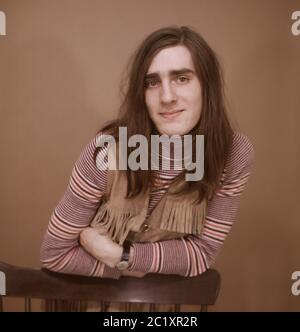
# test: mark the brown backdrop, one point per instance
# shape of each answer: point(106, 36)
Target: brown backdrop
point(60, 66)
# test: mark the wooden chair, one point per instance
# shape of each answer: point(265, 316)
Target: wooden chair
point(153, 289)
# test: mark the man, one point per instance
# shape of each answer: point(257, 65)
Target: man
point(173, 226)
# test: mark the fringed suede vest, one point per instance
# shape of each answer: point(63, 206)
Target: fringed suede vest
point(175, 216)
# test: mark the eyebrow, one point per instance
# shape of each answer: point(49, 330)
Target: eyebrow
point(171, 72)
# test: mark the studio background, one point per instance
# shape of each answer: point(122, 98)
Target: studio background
point(60, 67)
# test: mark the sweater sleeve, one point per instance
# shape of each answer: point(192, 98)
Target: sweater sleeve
point(193, 255)
point(61, 250)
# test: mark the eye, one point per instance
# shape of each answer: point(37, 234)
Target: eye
point(182, 79)
point(151, 83)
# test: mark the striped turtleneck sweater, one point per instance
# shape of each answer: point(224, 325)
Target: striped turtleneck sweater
point(187, 256)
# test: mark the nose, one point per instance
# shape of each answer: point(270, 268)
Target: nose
point(167, 94)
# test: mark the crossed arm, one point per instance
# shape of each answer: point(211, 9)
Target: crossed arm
point(71, 246)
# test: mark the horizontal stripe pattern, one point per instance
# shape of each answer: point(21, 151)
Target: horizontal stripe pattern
point(193, 255)
point(188, 256)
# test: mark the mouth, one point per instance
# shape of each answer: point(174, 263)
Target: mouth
point(171, 114)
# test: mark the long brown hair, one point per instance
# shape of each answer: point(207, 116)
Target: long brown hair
point(214, 122)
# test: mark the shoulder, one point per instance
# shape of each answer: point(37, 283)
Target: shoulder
point(100, 150)
point(240, 157)
point(93, 148)
point(241, 147)
point(90, 165)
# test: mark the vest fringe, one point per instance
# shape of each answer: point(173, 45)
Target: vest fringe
point(118, 223)
point(182, 217)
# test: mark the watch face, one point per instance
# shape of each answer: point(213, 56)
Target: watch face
point(122, 265)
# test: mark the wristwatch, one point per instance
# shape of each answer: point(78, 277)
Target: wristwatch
point(124, 262)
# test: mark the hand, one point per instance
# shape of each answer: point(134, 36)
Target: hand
point(99, 245)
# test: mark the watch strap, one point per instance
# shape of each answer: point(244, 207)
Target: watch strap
point(124, 262)
point(126, 251)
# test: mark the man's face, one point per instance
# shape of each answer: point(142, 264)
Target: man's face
point(173, 91)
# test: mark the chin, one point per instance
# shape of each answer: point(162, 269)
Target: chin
point(175, 128)
point(172, 132)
